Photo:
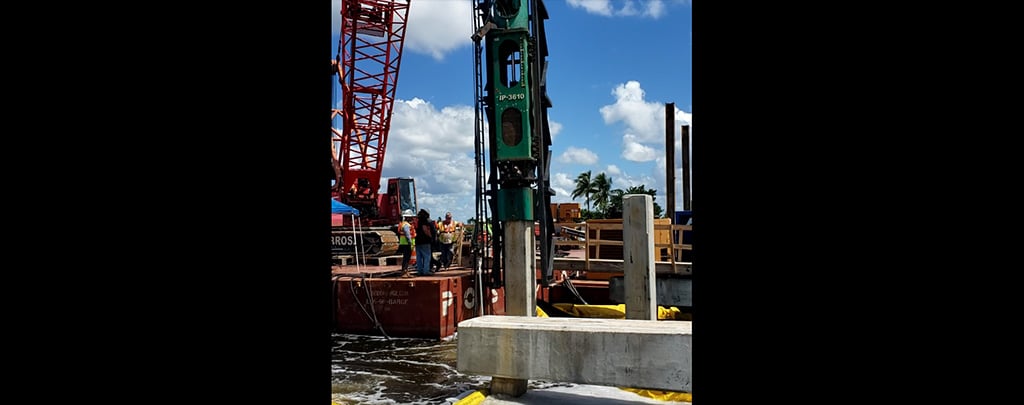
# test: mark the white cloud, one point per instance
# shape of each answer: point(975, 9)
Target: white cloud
point(613, 170)
point(563, 184)
point(648, 8)
point(654, 8)
point(579, 156)
point(599, 7)
point(555, 128)
point(435, 147)
point(683, 118)
point(418, 129)
point(636, 151)
point(434, 27)
point(437, 27)
point(645, 120)
point(627, 9)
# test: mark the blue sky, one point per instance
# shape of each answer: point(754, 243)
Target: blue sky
point(613, 64)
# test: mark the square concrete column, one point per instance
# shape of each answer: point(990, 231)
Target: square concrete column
point(520, 289)
point(638, 257)
point(520, 269)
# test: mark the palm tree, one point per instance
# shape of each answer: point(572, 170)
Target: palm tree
point(602, 188)
point(584, 187)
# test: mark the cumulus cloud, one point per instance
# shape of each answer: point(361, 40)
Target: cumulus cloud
point(683, 117)
point(653, 8)
point(645, 8)
point(599, 7)
point(563, 184)
point(436, 148)
point(645, 120)
point(433, 145)
point(437, 27)
point(555, 128)
point(636, 151)
point(579, 156)
point(434, 27)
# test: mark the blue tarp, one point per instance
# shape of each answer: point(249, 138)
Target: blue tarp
point(338, 207)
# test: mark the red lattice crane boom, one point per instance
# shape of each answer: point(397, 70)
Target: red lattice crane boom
point(367, 65)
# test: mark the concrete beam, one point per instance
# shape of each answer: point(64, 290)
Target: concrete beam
point(612, 352)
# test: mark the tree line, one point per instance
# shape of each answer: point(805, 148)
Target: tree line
point(607, 202)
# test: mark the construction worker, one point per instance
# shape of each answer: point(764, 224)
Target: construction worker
point(426, 234)
point(406, 240)
point(446, 232)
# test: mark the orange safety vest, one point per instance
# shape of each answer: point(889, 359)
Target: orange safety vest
point(446, 228)
point(447, 232)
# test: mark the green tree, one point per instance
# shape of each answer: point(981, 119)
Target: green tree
point(584, 187)
point(602, 192)
point(615, 200)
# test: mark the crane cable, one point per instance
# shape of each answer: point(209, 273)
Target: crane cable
point(568, 285)
point(371, 314)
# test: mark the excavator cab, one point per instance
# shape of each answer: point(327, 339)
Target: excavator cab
point(401, 196)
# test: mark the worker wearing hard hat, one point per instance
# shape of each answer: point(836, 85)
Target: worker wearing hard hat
point(446, 234)
point(426, 234)
point(406, 240)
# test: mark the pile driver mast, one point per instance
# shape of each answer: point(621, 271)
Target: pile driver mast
point(512, 97)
